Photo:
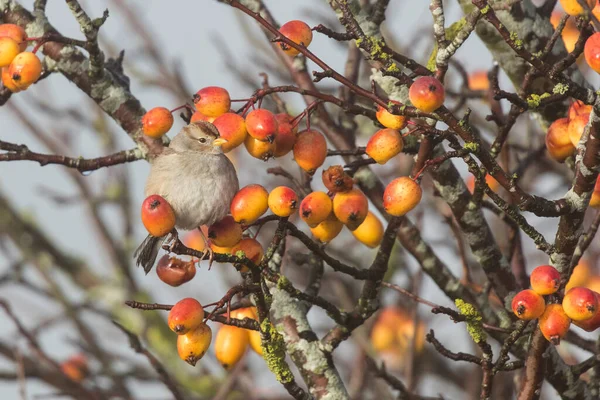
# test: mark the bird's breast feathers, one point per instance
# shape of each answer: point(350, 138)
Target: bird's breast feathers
point(199, 187)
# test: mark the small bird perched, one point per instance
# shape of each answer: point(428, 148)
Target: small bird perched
point(197, 180)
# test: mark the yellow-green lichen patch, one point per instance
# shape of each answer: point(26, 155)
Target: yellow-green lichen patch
point(473, 320)
point(274, 352)
point(533, 101)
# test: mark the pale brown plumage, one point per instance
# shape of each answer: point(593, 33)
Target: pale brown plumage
point(197, 180)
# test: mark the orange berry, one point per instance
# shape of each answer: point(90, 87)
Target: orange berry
point(283, 201)
point(489, 180)
point(253, 336)
point(478, 80)
point(185, 316)
point(390, 120)
point(244, 312)
point(298, 32)
point(384, 144)
point(558, 142)
point(194, 240)
point(225, 233)
point(528, 305)
point(594, 284)
point(175, 272)
point(249, 204)
point(408, 335)
point(370, 232)
point(192, 346)
point(232, 127)
point(401, 195)
point(327, 230)
point(255, 342)
point(593, 323)
point(158, 216)
point(310, 150)
point(259, 149)
point(198, 116)
point(252, 251)
point(231, 344)
point(595, 199)
point(25, 69)
point(383, 336)
point(315, 208)
point(219, 249)
point(157, 122)
point(570, 33)
point(16, 33)
point(351, 208)
point(285, 137)
point(261, 124)
point(576, 127)
point(591, 52)
point(572, 7)
point(394, 330)
point(554, 323)
point(427, 94)
point(7, 81)
point(212, 101)
point(75, 367)
point(8, 51)
point(579, 277)
point(578, 107)
point(580, 303)
point(545, 279)
point(581, 273)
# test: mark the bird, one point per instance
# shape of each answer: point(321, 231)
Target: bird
point(196, 179)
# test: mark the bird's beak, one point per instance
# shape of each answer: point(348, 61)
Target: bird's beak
point(219, 142)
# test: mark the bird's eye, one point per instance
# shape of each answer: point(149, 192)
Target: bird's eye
point(202, 140)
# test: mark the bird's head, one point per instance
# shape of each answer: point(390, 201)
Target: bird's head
point(200, 136)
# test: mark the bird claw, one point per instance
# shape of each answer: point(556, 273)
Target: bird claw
point(211, 256)
point(171, 241)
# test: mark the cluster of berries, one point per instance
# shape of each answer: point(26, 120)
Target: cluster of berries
point(20, 68)
point(186, 319)
point(580, 305)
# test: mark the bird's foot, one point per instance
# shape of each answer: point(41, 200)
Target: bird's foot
point(211, 256)
point(172, 240)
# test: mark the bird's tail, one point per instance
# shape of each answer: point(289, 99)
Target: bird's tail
point(147, 252)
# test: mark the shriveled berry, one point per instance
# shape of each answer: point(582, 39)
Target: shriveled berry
point(336, 180)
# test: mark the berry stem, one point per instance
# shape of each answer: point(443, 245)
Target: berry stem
point(186, 106)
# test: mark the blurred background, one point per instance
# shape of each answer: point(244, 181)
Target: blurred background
point(172, 49)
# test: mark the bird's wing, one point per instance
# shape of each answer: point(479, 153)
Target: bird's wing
point(162, 175)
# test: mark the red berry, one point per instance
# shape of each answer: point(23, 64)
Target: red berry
point(545, 279)
point(528, 305)
point(427, 94)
